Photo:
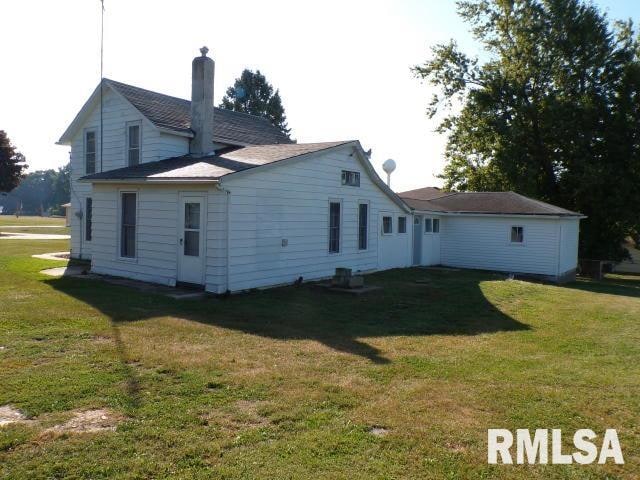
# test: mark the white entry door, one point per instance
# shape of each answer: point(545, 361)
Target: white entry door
point(191, 239)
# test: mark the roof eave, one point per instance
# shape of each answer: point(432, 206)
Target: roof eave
point(149, 180)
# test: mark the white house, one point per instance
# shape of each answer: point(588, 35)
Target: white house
point(167, 191)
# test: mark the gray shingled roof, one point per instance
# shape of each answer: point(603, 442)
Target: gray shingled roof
point(174, 113)
point(213, 167)
point(505, 203)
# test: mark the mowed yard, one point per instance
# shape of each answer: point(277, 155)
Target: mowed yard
point(301, 383)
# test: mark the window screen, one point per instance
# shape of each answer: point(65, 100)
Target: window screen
point(334, 227)
point(90, 152)
point(387, 225)
point(351, 178)
point(363, 226)
point(402, 224)
point(133, 135)
point(517, 234)
point(128, 226)
point(428, 225)
point(87, 220)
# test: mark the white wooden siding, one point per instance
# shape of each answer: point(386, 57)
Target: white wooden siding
point(484, 243)
point(568, 244)
point(156, 231)
point(291, 202)
point(116, 113)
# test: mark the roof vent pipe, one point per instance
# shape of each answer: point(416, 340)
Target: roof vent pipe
point(202, 73)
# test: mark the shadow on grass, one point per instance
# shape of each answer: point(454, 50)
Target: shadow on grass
point(412, 302)
point(613, 284)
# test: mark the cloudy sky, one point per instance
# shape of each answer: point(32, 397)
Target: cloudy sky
point(343, 67)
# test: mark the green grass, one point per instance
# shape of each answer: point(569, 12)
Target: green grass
point(286, 383)
point(32, 224)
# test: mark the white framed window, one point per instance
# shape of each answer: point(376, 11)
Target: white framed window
point(351, 179)
point(387, 225)
point(363, 226)
point(134, 140)
point(428, 225)
point(90, 151)
point(88, 219)
point(128, 221)
point(436, 225)
point(517, 234)
point(402, 224)
point(335, 219)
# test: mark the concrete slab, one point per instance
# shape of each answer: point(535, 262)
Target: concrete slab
point(53, 256)
point(80, 271)
point(68, 271)
point(350, 291)
point(31, 236)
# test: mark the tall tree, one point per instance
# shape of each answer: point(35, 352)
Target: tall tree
point(553, 111)
point(252, 93)
point(12, 164)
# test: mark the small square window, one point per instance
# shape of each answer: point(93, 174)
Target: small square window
point(351, 179)
point(387, 225)
point(517, 234)
point(402, 224)
point(428, 225)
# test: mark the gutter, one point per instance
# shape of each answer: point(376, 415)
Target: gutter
point(149, 180)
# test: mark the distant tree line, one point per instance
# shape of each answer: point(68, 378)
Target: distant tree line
point(39, 193)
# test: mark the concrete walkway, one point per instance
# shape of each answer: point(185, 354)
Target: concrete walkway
point(31, 236)
point(33, 226)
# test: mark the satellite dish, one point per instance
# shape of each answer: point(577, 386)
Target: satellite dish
point(389, 166)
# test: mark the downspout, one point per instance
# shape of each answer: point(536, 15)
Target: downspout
point(228, 235)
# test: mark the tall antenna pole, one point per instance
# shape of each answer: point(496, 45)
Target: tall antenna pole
point(101, 76)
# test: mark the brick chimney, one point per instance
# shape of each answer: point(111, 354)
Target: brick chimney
point(202, 69)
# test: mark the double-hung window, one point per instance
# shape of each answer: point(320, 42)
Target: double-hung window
point(334, 227)
point(87, 219)
point(428, 225)
point(90, 151)
point(133, 143)
point(363, 226)
point(517, 235)
point(128, 225)
point(402, 224)
point(436, 225)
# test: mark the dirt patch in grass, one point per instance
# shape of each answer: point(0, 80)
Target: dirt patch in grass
point(240, 415)
point(9, 414)
point(87, 421)
point(378, 431)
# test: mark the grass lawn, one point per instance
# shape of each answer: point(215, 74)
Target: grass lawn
point(33, 224)
point(287, 383)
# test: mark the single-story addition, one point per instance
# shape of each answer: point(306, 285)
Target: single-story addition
point(170, 191)
point(501, 231)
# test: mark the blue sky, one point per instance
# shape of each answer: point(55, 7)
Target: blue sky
point(343, 67)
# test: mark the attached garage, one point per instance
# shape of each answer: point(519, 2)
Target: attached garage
point(500, 231)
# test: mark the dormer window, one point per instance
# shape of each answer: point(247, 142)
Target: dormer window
point(352, 179)
point(133, 143)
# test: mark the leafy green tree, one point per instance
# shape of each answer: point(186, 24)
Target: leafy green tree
point(551, 111)
point(40, 192)
point(252, 93)
point(12, 164)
